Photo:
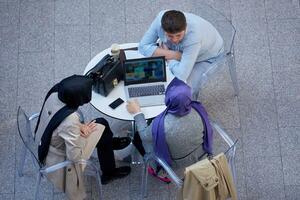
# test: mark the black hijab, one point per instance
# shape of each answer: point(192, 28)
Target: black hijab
point(74, 91)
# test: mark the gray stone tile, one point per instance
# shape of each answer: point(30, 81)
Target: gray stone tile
point(8, 75)
point(282, 9)
point(251, 11)
point(261, 142)
point(133, 13)
point(262, 171)
point(288, 112)
point(290, 141)
point(291, 166)
point(108, 12)
point(72, 12)
point(252, 57)
point(8, 1)
point(268, 192)
point(7, 165)
point(118, 189)
point(103, 37)
point(37, 26)
point(185, 6)
point(249, 18)
point(287, 55)
point(9, 13)
point(261, 114)
point(292, 192)
point(29, 195)
point(240, 184)
point(254, 72)
point(72, 51)
point(225, 110)
point(251, 34)
point(36, 75)
point(284, 32)
point(135, 32)
point(264, 178)
point(9, 196)
point(161, 193)
point(286, 87)
point(286, 79)
point(222, 8)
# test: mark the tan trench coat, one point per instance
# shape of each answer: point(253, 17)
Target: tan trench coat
point(208, 180)
point(66, 143)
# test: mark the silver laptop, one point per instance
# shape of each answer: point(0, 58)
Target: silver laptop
point(145, 80)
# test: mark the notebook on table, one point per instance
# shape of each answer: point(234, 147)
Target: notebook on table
point(145, 80)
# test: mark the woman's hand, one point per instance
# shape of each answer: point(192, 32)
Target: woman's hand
point(87, 129)
point(133, 107)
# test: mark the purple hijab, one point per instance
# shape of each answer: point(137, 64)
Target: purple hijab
point(178, 101)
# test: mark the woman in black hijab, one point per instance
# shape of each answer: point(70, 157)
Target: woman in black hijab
point(63, 135)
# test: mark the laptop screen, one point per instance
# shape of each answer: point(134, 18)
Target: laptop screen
point(145, 70)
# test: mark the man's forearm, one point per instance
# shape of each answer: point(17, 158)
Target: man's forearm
point(169, 54)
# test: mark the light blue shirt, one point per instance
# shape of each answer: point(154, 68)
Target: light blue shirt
point(201, 42)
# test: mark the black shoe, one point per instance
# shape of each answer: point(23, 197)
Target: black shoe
point(120, 142)
point(120, 172)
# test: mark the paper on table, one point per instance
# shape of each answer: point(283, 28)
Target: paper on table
point(132, 54)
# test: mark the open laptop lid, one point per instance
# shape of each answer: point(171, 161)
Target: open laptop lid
point(145, 70)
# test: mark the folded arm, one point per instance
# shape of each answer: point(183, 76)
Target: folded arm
point(183, 68)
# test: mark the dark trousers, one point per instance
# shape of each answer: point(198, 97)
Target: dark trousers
point(104, 149)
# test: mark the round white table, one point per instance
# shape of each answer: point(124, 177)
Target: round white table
point(101, 102)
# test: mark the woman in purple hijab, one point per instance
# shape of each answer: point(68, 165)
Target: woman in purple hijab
point(180, 129)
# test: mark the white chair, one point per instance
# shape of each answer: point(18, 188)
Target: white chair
point(228, 32)
point(175, 179)
point(31, 146)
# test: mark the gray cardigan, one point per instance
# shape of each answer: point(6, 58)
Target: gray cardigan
point(183, 134)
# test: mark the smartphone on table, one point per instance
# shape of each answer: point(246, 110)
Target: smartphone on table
point(116, 103)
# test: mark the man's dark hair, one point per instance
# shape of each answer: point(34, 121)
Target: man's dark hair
point(173, 21)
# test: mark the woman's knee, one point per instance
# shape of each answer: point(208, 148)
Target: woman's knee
point(102, 121)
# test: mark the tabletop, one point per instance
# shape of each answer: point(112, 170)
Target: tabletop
point(101, 102)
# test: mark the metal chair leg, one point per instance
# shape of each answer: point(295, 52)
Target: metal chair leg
point(232, 71)
point(22, 160)
point(144, 181)
point(100, 185)
point(37, 187)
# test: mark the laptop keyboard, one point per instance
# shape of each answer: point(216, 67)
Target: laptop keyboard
point(146, 91)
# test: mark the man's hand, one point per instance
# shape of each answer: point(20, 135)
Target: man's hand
point(87, 129)
point(133, 107)
point(163, 50)
point(176, 55)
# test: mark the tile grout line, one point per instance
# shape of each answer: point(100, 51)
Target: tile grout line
point(239, 111)
point(90, 24)
point(18, 60)
point(54, 39)
point(274, 93)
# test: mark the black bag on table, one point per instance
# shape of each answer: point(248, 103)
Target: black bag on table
point(106, 75)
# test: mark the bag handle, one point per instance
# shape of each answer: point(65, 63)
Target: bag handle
point(100, 65)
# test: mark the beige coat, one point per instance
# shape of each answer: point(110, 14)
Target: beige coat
point(66, 143)
point(208, 180)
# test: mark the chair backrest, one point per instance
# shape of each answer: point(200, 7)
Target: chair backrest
point(175, 178)
point(26, 134)
point(220, 20)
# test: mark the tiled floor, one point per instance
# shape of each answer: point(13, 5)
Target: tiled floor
point(42, 41)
